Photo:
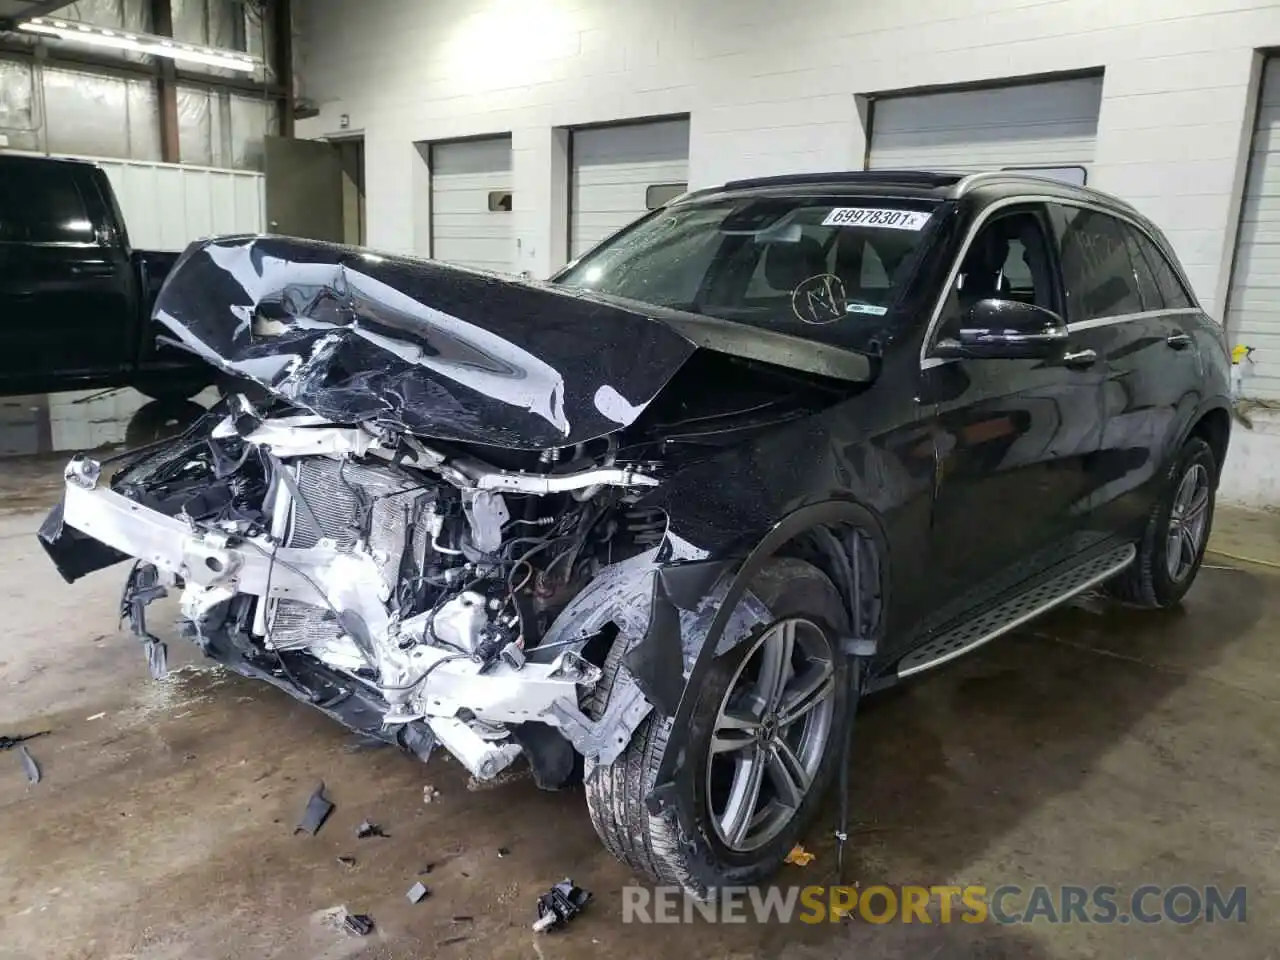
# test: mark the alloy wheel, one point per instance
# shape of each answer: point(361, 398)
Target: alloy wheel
point(1188, 522)
point(770, 734)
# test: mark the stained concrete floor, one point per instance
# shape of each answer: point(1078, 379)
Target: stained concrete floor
point(1097, 746)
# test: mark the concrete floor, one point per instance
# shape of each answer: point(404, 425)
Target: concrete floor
point(1099, 745)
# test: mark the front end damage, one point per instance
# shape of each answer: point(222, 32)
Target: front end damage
point(417, 598)
point(447, 503)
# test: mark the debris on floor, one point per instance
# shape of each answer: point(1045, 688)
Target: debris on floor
point(316, 813)
point(559, 905)
point(430, 794)
point(8, 743)
point(96, 716)
point(448, 940)
point(462, 919)
point(426, 869)
point(358, 923)
point(348, 862)
point(368, 828)
point(504, 852)
point(29, 765)
point(417, 893)
point(799, 856)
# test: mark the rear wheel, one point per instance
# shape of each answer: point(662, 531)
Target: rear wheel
point(1177, 533)
point(762, 736)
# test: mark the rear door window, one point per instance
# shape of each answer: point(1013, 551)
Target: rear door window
point(1097, 266)
point(41, 203)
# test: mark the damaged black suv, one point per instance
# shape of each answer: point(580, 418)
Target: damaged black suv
point(661, 522)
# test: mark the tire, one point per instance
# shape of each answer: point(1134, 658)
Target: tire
point(1148, 581)
point(159, 420)
point(616, 792)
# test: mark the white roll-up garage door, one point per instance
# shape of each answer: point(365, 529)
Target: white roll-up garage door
point(471, 203)
point(1049, 127)
point(621, 172)
point(1253, 303)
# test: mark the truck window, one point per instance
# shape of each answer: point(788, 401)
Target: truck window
point(40, 203)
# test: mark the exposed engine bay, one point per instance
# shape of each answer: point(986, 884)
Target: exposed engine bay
point(386, 531)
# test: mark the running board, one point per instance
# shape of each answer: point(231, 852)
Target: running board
point(1015, 611)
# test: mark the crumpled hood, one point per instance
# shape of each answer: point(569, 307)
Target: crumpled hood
point(441, 351)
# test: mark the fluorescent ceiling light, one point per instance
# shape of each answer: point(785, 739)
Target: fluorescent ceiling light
point(92, 36)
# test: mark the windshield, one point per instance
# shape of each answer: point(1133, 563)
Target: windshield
point(792, 264)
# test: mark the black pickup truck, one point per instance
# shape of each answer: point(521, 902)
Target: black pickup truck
point(75, 298)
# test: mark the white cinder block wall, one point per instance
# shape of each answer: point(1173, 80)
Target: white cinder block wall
point(772, 88)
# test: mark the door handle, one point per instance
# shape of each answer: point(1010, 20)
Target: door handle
point(1079, 359)
point(1179, 341)
point(92, 270)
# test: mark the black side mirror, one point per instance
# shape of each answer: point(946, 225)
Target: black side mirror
point(1005, 330)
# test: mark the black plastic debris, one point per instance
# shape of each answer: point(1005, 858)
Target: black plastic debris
point(29, 765)
point(504, 852)
point(426, 869)
point(417, 893)
point(317, 812)
point(448, 940)
point(8, 743)
point(348, 862)
point(462, 919)
point(358, 923)
point(368, 828)
point(559, 905)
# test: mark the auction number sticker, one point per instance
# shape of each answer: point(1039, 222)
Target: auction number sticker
point(876, 217)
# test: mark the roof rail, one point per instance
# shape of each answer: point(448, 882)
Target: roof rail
point(914, 178)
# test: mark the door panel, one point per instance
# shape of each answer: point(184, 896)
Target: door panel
point(65, 298)
point(1134, 320)
point(304, 189)
point(1014, 439)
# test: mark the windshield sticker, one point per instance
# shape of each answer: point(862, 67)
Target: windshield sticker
point(819, 300)
point(876, 217)
point(868, 308)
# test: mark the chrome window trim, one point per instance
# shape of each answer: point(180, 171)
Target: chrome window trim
point(927, 362)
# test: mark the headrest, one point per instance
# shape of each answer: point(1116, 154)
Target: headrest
point(787, 265)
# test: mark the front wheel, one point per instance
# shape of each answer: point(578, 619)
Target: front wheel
point(763, 737)
point(1177, 533)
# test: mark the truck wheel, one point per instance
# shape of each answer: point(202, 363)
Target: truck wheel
point(1177, 533)
point(159, 420)
point(763, 738)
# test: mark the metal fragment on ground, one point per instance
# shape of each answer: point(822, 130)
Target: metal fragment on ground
point(417, 893)
point(448, 940)
point(368, 828)
point(316, 813)
point(347, 862)
point(358, 923)
point(29, 765)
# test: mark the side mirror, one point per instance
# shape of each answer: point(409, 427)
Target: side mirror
point(1005, 330)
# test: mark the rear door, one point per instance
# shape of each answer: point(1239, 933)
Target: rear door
point(1123, 293)
point(1014, 438)
point(65, 290)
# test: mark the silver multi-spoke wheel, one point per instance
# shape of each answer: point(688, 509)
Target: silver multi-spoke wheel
point(1188, 522)
point(770, 733)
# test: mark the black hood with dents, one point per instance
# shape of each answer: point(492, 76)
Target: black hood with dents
point(438, 350)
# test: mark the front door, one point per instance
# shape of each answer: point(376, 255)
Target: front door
point(65, 294)
point(1013, 438)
